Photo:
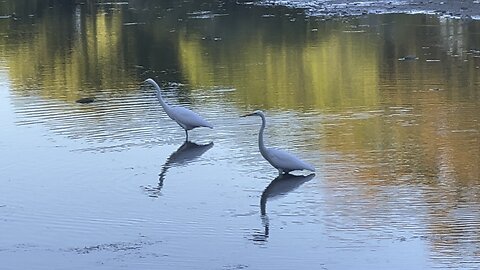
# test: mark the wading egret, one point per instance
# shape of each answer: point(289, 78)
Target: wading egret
point(186, 118)
point(283, 161)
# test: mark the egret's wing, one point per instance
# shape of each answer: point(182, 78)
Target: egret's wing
point(286, 160)
point(189, 118)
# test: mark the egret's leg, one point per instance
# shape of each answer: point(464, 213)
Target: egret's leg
point(186, 135)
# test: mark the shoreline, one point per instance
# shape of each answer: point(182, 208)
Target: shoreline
point(461, 9)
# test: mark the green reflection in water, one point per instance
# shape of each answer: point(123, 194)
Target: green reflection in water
point(78, 50)
point(65, 51)
point(275, 58)
point(337, 70)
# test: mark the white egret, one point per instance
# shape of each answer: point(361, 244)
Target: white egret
point(186, 118)
point(283, 161)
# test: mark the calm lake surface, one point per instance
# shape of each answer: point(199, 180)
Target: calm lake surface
point(386, 107)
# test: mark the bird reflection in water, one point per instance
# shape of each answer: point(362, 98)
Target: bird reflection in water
point(185, 154)
point(279, 187)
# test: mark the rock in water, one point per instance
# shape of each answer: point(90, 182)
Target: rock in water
point(86, 100)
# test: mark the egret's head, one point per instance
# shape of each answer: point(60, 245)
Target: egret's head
point(257, 112)
point(149, 80)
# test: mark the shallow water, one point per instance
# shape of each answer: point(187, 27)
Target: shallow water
point(386, 107)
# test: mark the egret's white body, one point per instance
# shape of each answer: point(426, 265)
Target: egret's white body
point(283, 161)
point(184, 117)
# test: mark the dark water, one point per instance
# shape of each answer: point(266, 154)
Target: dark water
point(386, 107)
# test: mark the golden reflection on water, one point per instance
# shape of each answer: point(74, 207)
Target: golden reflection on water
point(65, 58)
point(338, 71)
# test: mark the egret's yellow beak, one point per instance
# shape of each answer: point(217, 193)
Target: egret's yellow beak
point(245, 115)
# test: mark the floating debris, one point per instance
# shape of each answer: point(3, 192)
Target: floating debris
point(432, 60)
point(204, 15)
point(114, 247)
point(224, 90)
point(408, 58)
point(85, 100)
point(133, 23)
point(353, 31)
point(112, 3)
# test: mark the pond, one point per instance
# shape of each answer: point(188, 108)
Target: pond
point(385, 107)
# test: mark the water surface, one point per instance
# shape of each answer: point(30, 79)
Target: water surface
point(386, 107)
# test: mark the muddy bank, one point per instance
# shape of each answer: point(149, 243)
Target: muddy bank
point(459, 9)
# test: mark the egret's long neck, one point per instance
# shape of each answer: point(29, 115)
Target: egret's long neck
point(165, 106)
point(261, 144)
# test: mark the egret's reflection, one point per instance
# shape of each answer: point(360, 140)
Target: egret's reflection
point(186, 153)
point(280, 186)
